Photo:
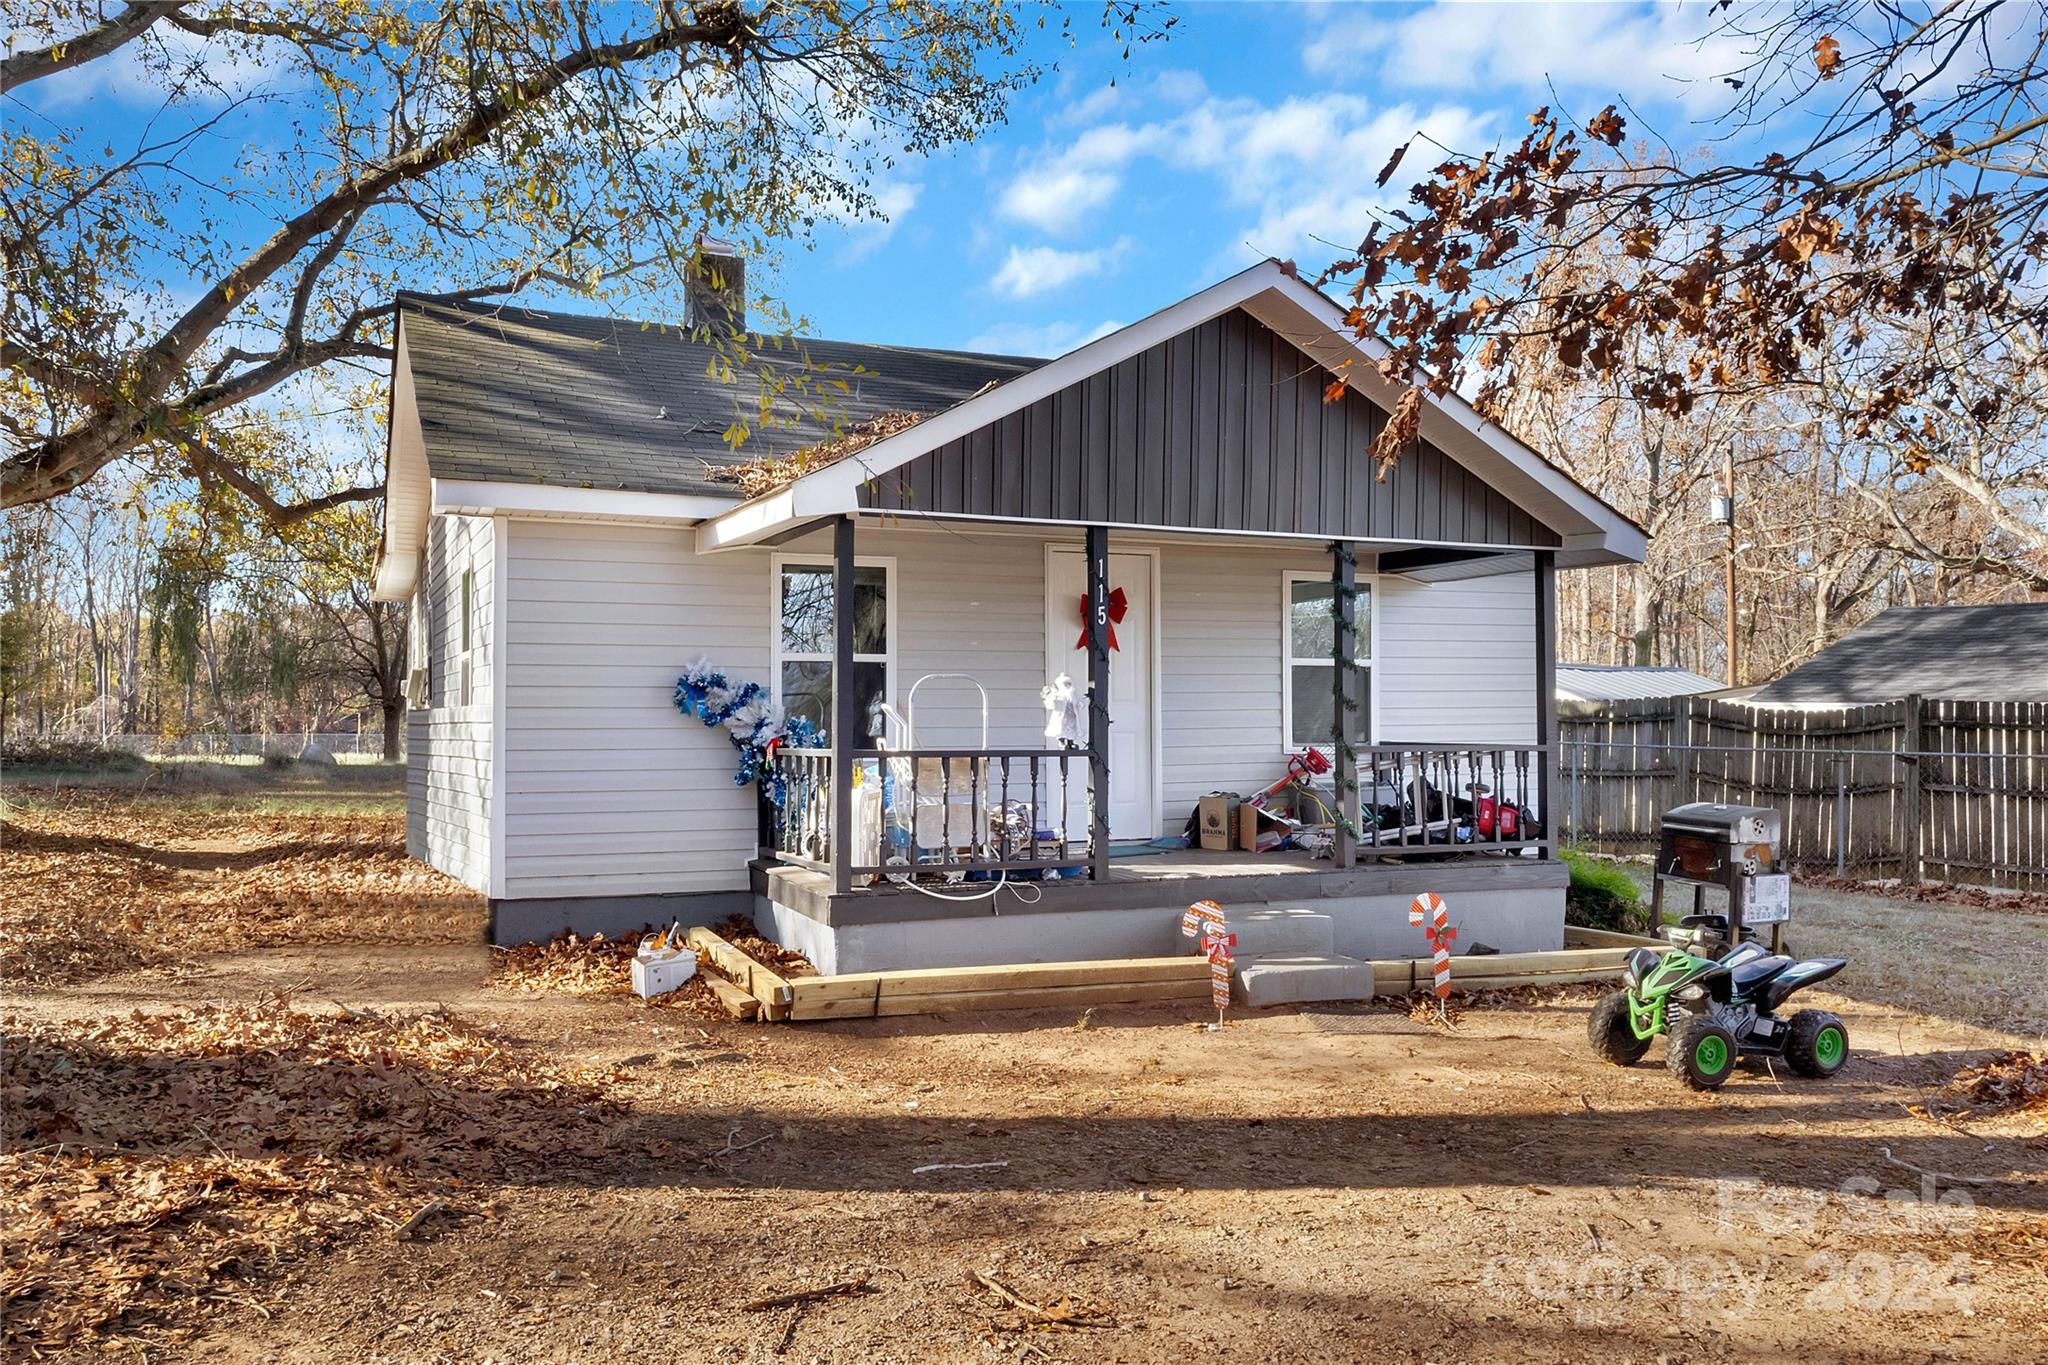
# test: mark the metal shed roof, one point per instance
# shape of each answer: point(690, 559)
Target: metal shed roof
point(1628, 682)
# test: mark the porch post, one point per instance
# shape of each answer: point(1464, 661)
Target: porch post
point(844, 719)
point(1344, 595)
point(1098, 702)
point(1546, 695)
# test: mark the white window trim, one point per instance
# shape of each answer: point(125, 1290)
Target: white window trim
point(776, 655)
point(1288, 578)
point(419, 649)
point(465, 653)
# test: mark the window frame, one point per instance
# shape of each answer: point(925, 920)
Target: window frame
point(777, 656)
point(466, 653)
point(1370, 703)
point(419, 648)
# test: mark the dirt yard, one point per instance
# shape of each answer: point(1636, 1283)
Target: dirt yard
point(334, 1132)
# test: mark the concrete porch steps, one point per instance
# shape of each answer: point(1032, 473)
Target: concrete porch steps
point(1273, 931)
point(1300, 978)
point(1288, 956)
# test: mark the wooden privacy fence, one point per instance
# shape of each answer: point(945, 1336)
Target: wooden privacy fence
point(1916, 789)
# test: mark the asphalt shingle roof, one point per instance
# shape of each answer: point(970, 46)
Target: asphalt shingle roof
point(518, 395)
point(1962, 653)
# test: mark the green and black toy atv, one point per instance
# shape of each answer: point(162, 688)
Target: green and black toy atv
point(1715, 1009)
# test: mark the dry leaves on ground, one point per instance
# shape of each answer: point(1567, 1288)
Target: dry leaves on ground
point(1937, 893)
point(2009, 1081)
point(740, 932)
point(105, 882)
point(594, 966)
point(154, 1161)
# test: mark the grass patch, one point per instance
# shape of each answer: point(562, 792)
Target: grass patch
point(1603, 895)
point(213, 785)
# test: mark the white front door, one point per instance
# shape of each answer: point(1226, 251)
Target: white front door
point(1133, 792)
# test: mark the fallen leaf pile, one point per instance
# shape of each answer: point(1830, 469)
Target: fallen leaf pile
point(593, 966)
point(159, 1161)
point(739, 931)
point(2011, 1081)
point(1938, 893)
point(770, 472)
point(1425, 1008)
point(107, 881)
point(568, 965)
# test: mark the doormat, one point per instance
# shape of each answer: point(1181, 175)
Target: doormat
point(1367, 1019)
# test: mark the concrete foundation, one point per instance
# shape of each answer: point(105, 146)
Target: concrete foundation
point(537, 921)
point(1519, 921)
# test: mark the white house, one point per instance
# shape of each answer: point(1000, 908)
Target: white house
point(554, 517)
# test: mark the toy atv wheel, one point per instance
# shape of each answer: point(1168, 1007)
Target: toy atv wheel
point(1613, 1039)
point(1818, 1044)
point(1702, 1054)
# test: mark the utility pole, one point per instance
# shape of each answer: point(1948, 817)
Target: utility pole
point(1726, 512)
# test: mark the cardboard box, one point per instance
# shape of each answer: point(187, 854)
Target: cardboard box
point(1260, 830)
point(1216, 820)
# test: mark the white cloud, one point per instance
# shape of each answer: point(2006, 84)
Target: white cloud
point(1054, 338)
point(894, 200)
point(1641, 52)
point(1039, 269)
point(1171, 86)
point(1054, 198)
point(164, 60)
point(1297, 170)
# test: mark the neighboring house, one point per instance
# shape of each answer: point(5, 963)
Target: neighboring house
point(1997, 653)
point(553, 517)
point(1629, 682)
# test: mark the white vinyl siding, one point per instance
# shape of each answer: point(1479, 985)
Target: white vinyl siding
point(449, 745)
point(610, 791)
point(1458, 660)
point(1220, 669)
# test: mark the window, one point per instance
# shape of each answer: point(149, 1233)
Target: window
point(803, 641)
point(419, 649)
point(1311, 645)
point(468, 632)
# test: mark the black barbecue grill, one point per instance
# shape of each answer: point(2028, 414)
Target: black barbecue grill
point(1736, 848)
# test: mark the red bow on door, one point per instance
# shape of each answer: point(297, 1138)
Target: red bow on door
point(1117, 607)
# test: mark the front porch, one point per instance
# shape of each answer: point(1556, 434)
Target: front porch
point(1513, 904)
point(890, 845)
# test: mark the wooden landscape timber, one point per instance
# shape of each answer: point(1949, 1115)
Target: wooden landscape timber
point(1497, 971)
point(1592, 955)
point(755, 978)
point(939, 990)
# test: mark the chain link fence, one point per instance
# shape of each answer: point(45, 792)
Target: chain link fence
point(350, 744)
point(1913, 790)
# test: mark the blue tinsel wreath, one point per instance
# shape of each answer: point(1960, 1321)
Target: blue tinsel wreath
point(750, 718)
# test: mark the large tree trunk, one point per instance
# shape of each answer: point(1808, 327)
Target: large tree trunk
point(1648, 614)
point(394, 726)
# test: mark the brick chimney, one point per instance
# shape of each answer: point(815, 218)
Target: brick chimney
point(715, 293)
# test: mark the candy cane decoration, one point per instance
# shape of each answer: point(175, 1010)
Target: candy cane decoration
point(1204, 919)
point(1429, 913)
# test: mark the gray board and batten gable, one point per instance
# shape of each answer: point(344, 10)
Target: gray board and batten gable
point(518, 395)
point(1223, 426)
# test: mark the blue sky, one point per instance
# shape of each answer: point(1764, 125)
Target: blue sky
point(1255, 130)
point(1117, 188)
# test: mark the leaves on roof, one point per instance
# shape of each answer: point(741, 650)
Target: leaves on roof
point(768, 473)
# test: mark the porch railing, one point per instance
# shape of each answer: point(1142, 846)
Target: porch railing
point(1025, 812)
point(1434, 796)
point(940, 811)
